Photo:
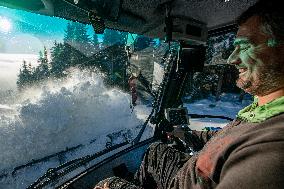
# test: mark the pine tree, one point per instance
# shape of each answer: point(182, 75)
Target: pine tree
point(77, 44)
point(42, 70)
point(59, 59)
point(142, 42)
point(69, 33)
point(24, 77)
point(112, 37)
point(95, 40)
point(112, 62)
point(30, 68)
point(76, 36)
point(44, 65)
point(123, 37)
point(55, 50)
point(80, 33)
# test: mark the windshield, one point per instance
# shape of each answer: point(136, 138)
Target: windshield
point(67, 92)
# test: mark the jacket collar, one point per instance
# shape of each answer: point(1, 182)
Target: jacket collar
point(256, 114)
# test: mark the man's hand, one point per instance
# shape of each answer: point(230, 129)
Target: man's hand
point(179, 131)
point(177, 137)
point(104, 187)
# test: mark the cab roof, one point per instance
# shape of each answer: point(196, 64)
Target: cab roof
point(191, 18)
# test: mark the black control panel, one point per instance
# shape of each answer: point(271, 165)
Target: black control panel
point(177, 116)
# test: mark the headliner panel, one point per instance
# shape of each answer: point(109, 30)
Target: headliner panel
point(144, 16)
point(214, 13)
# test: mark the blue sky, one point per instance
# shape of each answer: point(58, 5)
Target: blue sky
point(30, 32)
point(26, 26)
point(33, 23)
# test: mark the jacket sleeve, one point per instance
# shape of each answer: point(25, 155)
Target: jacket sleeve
point(197, 139)
point(258, 166)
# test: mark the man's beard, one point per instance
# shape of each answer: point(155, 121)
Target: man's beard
point(265, 81)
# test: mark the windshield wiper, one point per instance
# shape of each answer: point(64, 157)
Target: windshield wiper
point(53, 174)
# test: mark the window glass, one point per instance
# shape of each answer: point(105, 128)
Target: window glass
point(66, 92)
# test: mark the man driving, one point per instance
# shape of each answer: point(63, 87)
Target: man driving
point(249, 151)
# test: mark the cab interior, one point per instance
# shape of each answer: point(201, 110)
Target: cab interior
point(187, 22)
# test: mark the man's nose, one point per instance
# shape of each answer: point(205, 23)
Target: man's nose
point(234, 58)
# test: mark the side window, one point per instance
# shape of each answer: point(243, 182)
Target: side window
point(213, 93)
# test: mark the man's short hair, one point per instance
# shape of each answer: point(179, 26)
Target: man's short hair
point(271, 14)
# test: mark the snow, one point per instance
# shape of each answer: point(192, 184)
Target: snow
point(158, 73)
point(62, 114)
point(79, 111)
point(227, 106)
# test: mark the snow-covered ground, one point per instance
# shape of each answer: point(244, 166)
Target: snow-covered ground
point(227, 106)
point(78, 111)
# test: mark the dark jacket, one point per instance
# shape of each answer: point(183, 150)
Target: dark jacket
point(241, 155)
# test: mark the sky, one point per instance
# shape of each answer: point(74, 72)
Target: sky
point(22, 36)
point(33, 31)
point(28, 32)
point(20, 29)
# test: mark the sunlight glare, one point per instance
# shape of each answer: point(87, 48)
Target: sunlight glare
point(5, 24)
